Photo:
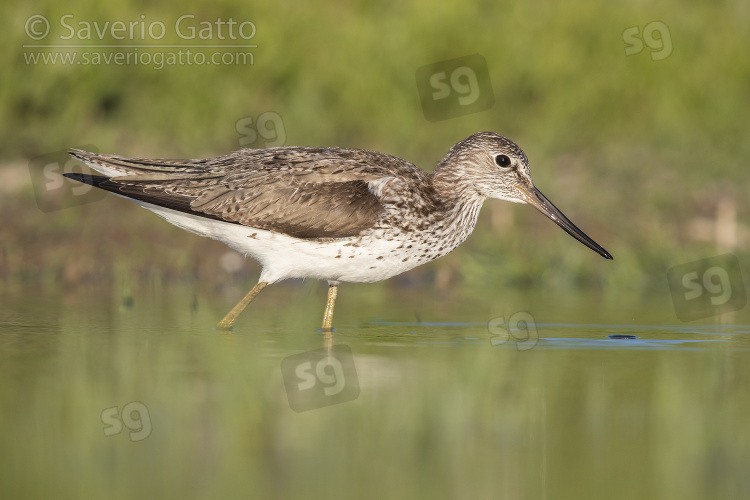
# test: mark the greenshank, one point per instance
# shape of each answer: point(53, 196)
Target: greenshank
point(341, 215)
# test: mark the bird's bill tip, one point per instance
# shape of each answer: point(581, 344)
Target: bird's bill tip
point(535, 198)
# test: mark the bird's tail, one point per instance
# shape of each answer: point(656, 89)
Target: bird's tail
point(136, 168)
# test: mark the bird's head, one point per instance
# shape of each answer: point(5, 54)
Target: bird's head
point(493, 166)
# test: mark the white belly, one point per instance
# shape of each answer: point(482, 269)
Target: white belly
point(284, 257)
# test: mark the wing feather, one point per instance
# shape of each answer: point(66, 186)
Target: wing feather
point(301, 192)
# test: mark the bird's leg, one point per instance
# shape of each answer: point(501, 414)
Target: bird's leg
point(333, 287)
point(229, 319)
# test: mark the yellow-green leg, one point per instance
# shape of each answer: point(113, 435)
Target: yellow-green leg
point(333, 287)
point(231, 317)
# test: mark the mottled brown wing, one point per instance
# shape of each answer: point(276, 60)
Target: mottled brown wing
point(301, 192)
point(308, 210)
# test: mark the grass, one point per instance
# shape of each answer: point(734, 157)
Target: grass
point(639, 153)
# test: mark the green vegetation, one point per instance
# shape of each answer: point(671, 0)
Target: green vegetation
point(105, 304)
point(645, 155)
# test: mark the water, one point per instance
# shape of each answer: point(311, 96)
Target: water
point(133, 393)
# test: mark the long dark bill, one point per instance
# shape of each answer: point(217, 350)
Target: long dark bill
point(535, 198)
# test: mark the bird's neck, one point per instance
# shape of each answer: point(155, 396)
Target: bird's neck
point(459, 202)
point(454, 189)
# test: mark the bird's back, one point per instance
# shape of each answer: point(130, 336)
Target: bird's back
point(302, 192)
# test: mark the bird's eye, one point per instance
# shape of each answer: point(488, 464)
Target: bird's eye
point(502, 161)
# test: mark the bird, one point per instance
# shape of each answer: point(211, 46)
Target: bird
point(329, 213)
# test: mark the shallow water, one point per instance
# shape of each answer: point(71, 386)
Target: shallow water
point(134, 393)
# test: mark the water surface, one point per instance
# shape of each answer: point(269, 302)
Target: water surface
point(445, 406)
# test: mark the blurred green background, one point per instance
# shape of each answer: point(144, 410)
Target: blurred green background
point(646, 153)
point(104, 303)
